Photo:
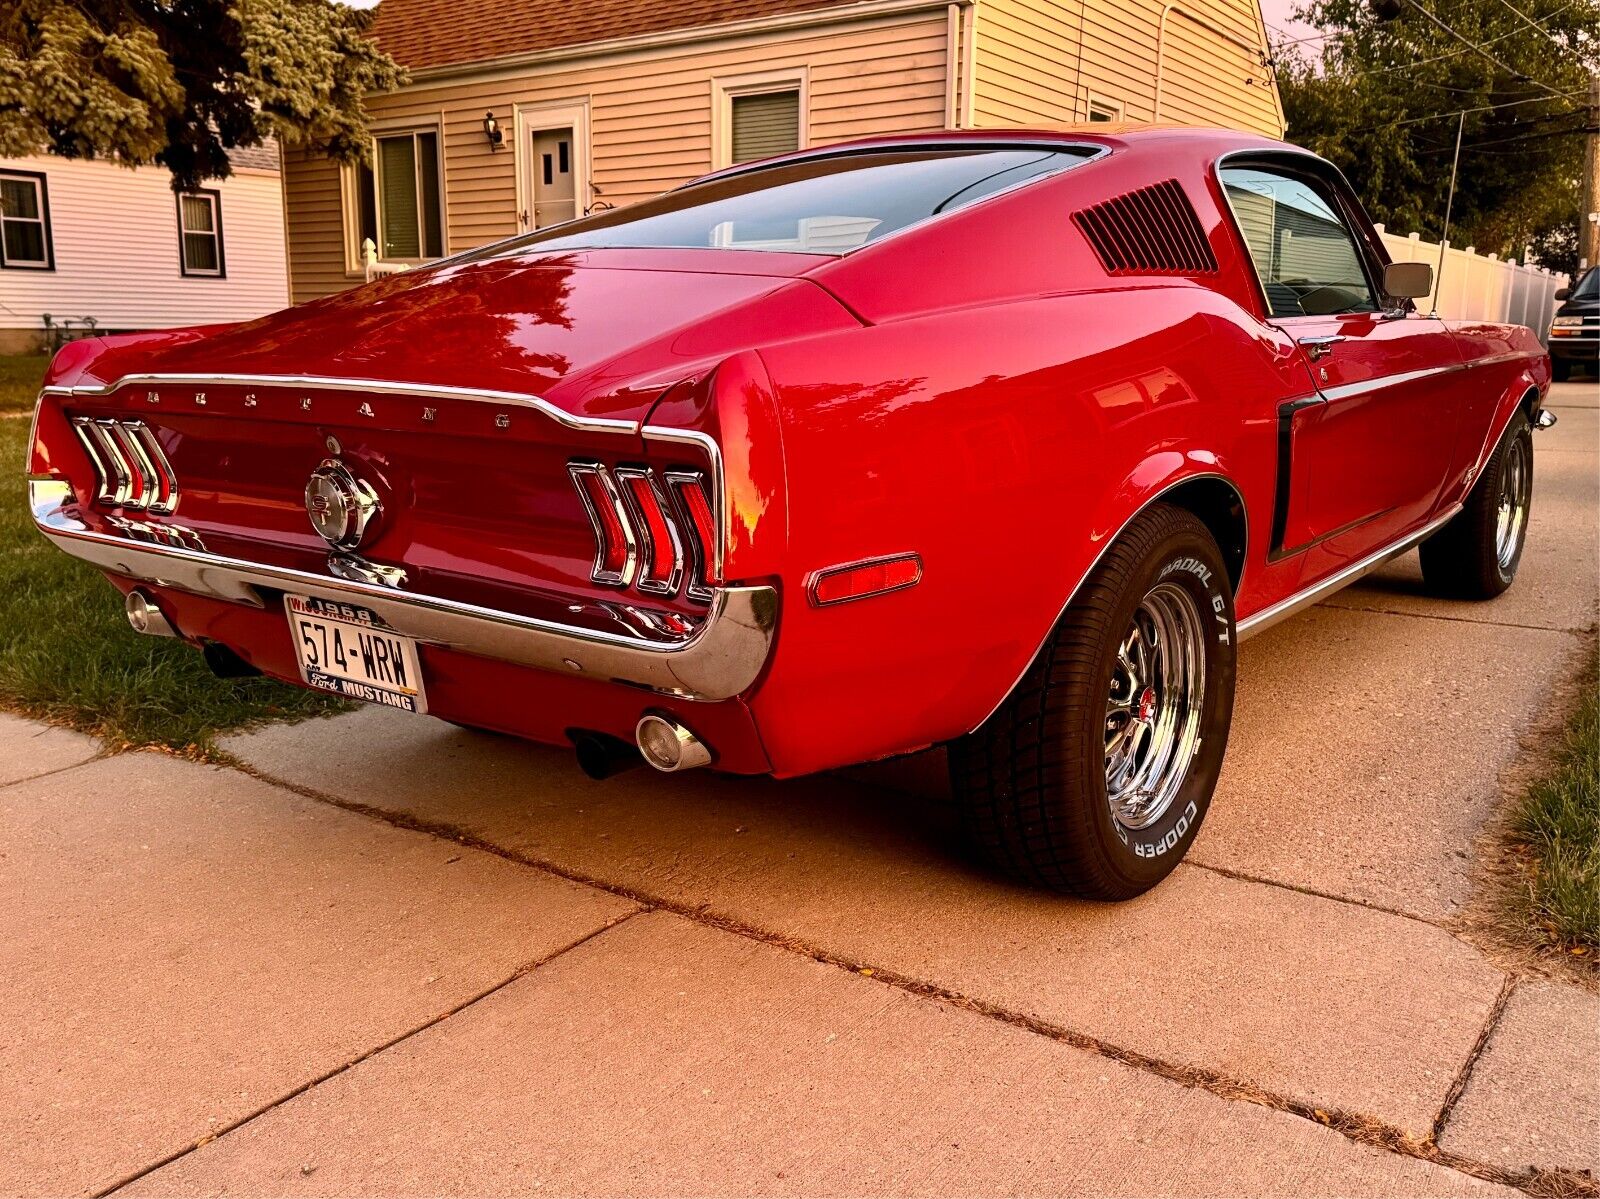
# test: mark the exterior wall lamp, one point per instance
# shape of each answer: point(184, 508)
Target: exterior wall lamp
point(492, 131)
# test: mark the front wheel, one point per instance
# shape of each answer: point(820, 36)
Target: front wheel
point(1475, 556)
point(1094, 775)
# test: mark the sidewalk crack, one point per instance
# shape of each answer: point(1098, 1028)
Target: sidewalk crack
point(1458, 1085)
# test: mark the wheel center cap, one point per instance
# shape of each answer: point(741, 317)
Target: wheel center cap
point(1147, 704)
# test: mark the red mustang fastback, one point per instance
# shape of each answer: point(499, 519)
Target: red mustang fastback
point(995, 440)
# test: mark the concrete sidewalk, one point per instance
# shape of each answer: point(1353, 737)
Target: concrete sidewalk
point(398, 958)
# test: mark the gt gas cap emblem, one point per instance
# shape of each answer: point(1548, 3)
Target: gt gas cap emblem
point(342, 507)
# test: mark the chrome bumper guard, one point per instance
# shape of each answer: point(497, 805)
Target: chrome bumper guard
point(717, 660)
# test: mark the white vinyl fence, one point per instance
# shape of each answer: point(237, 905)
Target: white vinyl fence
point(1474, 286)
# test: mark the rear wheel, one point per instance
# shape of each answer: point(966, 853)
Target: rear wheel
point(1094, 775)
point(1475, 556)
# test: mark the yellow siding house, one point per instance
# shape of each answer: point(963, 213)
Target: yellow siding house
point(522, 113)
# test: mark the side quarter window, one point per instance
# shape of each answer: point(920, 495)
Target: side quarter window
point(1304, 253)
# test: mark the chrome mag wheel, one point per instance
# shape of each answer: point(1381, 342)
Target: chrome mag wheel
point(1154, 709)
point(1512, 512)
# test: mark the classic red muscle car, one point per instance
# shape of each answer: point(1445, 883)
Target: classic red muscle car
point(997, 440)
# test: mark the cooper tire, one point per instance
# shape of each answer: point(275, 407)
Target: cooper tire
point(1044, 786)
point(1476, 555)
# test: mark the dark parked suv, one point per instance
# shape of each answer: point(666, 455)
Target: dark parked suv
point(1575, 329)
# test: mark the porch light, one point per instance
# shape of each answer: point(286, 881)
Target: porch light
point(491, 130)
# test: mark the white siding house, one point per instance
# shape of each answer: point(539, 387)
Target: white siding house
point(96, 241)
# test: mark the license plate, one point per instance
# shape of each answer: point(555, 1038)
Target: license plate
point(350, 651)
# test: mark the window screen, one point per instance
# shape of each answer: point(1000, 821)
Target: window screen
point(765, 124)
point(1304, 254)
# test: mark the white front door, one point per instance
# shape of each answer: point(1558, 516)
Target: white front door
point(553, 163)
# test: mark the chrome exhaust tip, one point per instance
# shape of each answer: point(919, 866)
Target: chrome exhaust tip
point(668, 746)
point(144, 616)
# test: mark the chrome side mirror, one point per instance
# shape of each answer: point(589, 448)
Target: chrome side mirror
point(1407, 280)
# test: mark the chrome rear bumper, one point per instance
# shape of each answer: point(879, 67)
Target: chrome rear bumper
point(718, 659)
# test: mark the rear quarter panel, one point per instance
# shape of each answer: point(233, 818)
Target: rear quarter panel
point(1501, 365)
point(1005, 444)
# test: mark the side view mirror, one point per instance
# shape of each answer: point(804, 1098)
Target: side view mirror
point(1407, 280)
point(1563, 293)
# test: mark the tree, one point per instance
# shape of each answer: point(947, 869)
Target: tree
point(180, 82)
point(1381, 97)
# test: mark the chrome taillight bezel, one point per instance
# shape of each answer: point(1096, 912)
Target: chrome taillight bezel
point(122, 453)
point(689, 571)
point(600, 573)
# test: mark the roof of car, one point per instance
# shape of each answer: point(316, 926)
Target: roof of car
point(434, 33)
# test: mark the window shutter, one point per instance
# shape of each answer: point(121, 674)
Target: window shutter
point(765, 124)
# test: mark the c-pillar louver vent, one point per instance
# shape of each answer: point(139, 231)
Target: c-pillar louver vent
point(1151, 231)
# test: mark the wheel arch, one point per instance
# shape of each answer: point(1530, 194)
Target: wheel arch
point(1212, 496)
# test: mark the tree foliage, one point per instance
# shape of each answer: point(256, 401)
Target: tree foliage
point(1380, 100)
point(180, 82)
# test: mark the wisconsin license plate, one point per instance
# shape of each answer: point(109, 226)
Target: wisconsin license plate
point(350, 651)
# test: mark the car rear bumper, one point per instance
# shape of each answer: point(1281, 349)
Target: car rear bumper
point(717, 658)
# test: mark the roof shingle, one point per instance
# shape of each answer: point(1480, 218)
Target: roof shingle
point(433, 33)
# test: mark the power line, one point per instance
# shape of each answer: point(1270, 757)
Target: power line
point(1440, 116)
point(1421, 62)
point(1532, 24)
point(1479, 50)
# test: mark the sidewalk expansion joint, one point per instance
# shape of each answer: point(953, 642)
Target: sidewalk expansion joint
point(520, 972)
point(1458, 1085)
point(1362, 1129)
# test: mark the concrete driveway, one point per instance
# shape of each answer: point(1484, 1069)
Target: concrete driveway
point(385, 956)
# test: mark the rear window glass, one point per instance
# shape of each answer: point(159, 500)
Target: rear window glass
point(827, 205)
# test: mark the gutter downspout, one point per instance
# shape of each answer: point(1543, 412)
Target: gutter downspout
point(1161, 45)
point(952, 48)
point(969, 63)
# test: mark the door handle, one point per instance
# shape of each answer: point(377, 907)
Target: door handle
point(1317, 348)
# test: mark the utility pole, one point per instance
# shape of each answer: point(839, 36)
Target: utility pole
point(1589, 214)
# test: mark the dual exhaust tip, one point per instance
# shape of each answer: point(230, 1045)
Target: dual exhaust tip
point(658, 739)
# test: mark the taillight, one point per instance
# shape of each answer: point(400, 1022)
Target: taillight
point(660, 550)
point(649, 536)
point(615, 554)
point(689, 496)
point(131, 469)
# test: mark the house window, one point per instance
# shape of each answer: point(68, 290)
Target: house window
point(1101, 109)
point(25, 222)
point(765, 124)
point(397, 198)
point(200, 233)
point(757, 116)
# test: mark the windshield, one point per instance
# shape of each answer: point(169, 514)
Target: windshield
point(1588, 287)
point(825, 205)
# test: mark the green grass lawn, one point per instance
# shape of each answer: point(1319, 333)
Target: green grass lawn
point(1555, 829)
point(19, 380)
point(67, 654)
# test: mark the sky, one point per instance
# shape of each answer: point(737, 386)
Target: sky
point(1276, 14)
